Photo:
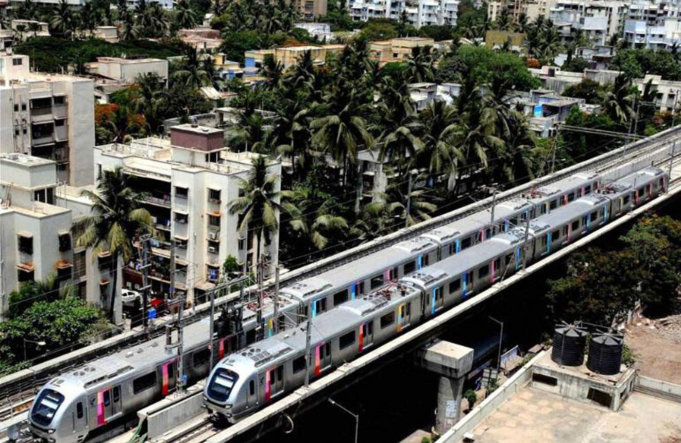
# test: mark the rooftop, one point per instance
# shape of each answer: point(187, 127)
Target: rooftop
point(24, 159)
point(128, 61)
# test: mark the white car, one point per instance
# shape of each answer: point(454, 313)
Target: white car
point(129, 297)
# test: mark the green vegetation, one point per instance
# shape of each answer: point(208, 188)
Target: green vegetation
point(62, 324)
point(601, 284)
point(471, 396)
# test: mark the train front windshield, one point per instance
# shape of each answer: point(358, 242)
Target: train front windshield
point(222, 383)
point(46, 406)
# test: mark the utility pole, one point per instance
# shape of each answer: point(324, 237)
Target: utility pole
point(553, 151)
point(527, 236)
point(145, 265)
point(308, 345)
point(180, 311)
point(494, 203)
point(276, 300)
point(212, 328)
point(260, 320)
point(501, 337)
point(406, 221)
point(671, 163)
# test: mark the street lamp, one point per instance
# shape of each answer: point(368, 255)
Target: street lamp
point(501, 334)
point(355, 416)
point(40, 343)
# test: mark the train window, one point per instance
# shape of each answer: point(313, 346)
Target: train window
point(387, 320)
point(465, 243)
point(594, 215)
point(555, 235)
point(340, 297)
point(46, 406)
point(361, 287)
point(575, 225)
point(509, 259)
point(250, 335)
point(565, 231)
point(571, 196)
point(483, 272)
point(497, 264)
point(201, 357)
point(116, 394)
point(346, 340)
point(455, 286)
point(642, 191)
point(144, 382)
point(107, 398)
point(583, 221)
point(409, 267)
point(543, 240)
point(79, 410)
point(319, 306)
point(251, 388)
point(394, 273)
point(426, 260)
point(587, 189)
point(488, 233)
point(553, 204)
point(376, 281)
point(625, 200)
point(299, 364)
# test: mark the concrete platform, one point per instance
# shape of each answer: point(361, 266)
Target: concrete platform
point(536, 416)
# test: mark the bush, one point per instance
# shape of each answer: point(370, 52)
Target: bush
point(471, 396)
point(628, 358)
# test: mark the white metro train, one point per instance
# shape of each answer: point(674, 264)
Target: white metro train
point(257, 375)
point(74, 404)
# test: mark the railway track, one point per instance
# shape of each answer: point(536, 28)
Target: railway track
point(22, 391)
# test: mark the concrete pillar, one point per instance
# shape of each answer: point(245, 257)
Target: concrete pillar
point(452, 362)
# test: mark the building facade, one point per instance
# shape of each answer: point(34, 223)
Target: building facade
point(188, 182)
point(48, 116)
point(419, 12)
point(35, 234)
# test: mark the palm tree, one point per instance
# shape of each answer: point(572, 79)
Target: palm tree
point(618, 101)
point(34, 27)
point(258, 205)
point(313, 213)
point(440, 154)
point(192, 73)
point(272, 70)
point(62, 19)
point(420, 65)
point(185, 17)
point(292, 129)
point(116, 219)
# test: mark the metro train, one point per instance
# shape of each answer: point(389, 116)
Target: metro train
point(251, 378)
point(74, 404)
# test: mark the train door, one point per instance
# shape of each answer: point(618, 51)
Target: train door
point(80, 425)
point(274, 382)
point(168, 377)
point(108, 404)
point(322, 357)
point(403, 315)
point(252, 397)
point(366, 335)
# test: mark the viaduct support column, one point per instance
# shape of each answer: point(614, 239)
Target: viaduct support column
point(452, 362)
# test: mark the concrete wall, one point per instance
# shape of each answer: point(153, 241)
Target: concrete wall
point(81, 125)
point(491, 403)
point(171, 412)
point(658, 388)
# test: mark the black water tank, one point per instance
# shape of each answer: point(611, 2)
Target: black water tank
point(605, 354)
point(568, 345)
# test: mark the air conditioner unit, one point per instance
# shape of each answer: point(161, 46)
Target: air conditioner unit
point(213, 235)
point(212, 249)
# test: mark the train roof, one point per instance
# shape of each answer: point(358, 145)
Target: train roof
point(566, 184)
point(465, 260)
point(465, 225)
point(558, 216)
point(359, 269)
point(146, 355)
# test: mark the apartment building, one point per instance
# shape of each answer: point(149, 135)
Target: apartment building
point(418, 12)
point(188, 182)
point(514, 7)
point(290, 55)
point(311, 9)
point(653, 24)
point(598, 20)
point(48, 116)
point(397, 49)
point(35, 233)
point(127, 70)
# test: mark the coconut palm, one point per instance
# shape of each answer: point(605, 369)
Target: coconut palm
point(272, 70)
point(192, 73)
point(62, 19)
point(258, 205)
point(420, 65)
point(185, 17)
point(116, 219)
point(618, 101)
point(440, 154)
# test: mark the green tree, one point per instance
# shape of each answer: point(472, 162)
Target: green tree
point(587, 89)
point(116, 219)
point(258, 205)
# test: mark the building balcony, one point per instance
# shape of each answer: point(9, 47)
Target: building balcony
point(162, 202)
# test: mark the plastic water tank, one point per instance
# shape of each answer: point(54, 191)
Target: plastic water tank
point(605, 353)
point(568, 344)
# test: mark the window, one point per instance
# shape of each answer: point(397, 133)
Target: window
point(16, 109)
point(17, 61)
point(509, 259)
point(346, 340)
point(642, 192)
point(79, 410)
point(26, 244)
point(46, 406)
point(340, 297)
point(181, 192)
point(594, 215)
point(60, 123)
point(221, 384)
point(488, 233)
point(64, 242)
point(59, 100)
point(320, 306)
point(376, 281)
point(214, 195)
point(361, 287)
point(565, 231)
point(575, 225)
point(299, 364)
point(625, 200)
point(553, 204)
point(409, 267)
point(251, 388)
point(241, 244)
point(465, 243)
point(117, 394)
point(143, 383)
point(387, 320)
point(483, 272)
point(571, 196)
point(213, 220)
point(555, 235)
point(587, 189)
point(455, 286)
point(107, 398)
point(201, 357)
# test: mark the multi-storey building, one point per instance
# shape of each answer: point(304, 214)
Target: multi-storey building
point(397, 49)
point(36, 216)
point(48, 116)
point(653, 24)
point(418, 12)
point(188, 182)
point(598, 20)
point(127, 70)
point(311, 9)
point(514, 7)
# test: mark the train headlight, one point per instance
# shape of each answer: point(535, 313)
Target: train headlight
point(50, 431)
